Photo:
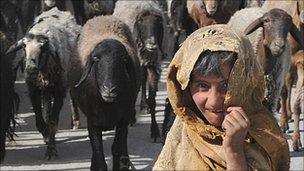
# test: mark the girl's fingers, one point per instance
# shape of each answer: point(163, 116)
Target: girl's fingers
point(235, 123)
point(227, 125)
point(239, 117)
point(240, 111)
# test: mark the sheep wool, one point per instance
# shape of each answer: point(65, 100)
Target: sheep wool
point(243, 18)
point(127, 11)
point(62, 31)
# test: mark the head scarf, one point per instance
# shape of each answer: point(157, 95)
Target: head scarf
point(191, 143)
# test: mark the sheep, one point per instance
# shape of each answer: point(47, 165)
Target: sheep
point(181, 24)
point(270, 45)
point(145, 20)
point(208, 12)
point(104, 78)
point(295, 10)
point(48, 47)
point(296, 70)
point(75, 7)
point(98, 7)
point(9, 101)
point(252, 3)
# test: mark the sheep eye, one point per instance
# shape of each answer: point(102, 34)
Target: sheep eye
point(266, 20)
point(43, 40)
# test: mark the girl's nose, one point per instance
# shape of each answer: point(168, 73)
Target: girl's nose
point(215, 98)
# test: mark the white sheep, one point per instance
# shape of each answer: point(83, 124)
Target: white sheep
point(48, 46)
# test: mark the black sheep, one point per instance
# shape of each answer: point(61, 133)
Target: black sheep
point(104, 83)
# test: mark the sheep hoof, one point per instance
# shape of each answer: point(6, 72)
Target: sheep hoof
point(155, 134)
point(296, 142)
point(156, 140)
point(76, 125)
point(284, 127)
point(132, 121)
point(51, 152)
point(297, 145)
point(125, 163)
point(143, 106)
point(46, 140)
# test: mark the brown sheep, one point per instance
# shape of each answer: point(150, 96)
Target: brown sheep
point(296, 68)
point(207, 12)
point(295, 9)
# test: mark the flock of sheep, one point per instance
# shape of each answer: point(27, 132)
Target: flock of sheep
point(104, 63)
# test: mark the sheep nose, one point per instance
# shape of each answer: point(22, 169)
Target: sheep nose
point(211, 9)
point(109, 89)
point(150, 44)
point(108, 93)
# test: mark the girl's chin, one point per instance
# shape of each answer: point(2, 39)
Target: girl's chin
point(215, 119)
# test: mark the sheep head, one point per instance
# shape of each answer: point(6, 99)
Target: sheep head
point(276, 24)
point(148, 33)
point(108, 62)
point(177, 15)
point(211, 6)
point(38, 52)
point(50, 3)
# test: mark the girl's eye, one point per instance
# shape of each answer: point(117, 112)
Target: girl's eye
point(202, 86)
point(223, 87)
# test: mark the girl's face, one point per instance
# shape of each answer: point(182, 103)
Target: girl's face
point(208, 93)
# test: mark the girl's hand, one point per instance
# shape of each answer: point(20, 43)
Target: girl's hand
point(236, 125)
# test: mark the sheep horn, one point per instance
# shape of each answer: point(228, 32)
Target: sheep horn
point(15, 47)
point(296, 34)
point(254, 25)
point(86, 72)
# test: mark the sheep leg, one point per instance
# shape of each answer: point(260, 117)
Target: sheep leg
point(169, 118)
point(176, 42)
point(120, 154)
point(296, 142)
point(35, 96)
point(153, 78)
point(143, 102)
point(46, 108)
point(133, 111)
point(283, 116)
point(98, 159)
point(288, 83)
point(298, 106)
point(52, 124)
point(75, 115)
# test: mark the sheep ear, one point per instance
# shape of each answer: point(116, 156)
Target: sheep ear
point(296, 34)
point(15, 47)
point(254, 25)
point(87, 70)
